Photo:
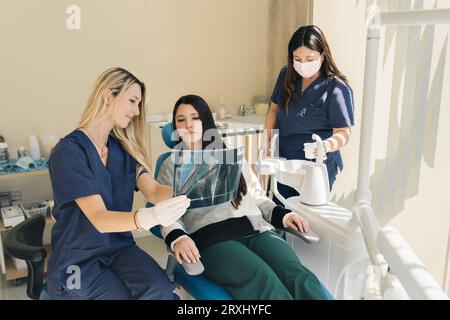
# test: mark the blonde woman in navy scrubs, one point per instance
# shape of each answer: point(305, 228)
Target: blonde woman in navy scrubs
point(94, 172)
point(311, 96)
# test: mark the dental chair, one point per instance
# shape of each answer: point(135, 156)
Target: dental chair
point(24, 241)
point(188, 276)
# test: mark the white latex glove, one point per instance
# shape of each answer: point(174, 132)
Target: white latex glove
point(326, 149)
point(265, 151)
point(164, 213)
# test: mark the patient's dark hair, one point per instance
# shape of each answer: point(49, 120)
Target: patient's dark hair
point(206, 117)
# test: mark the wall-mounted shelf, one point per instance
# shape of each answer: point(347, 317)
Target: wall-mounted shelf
point(23, 174)
point(40, 169)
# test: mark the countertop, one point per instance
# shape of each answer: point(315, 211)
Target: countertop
point(249, 122)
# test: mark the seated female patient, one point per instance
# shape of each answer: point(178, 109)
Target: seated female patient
point(236, 240)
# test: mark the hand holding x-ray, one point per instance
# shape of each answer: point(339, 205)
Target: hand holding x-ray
point(164, 213)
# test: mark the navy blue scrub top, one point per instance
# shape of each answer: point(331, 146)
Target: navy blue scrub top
point(76, 171)
point(326, 104)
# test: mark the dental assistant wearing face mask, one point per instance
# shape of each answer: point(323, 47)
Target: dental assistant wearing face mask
point(94, 172)
point(311, 96)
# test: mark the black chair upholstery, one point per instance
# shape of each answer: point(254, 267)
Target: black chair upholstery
point(24, 241)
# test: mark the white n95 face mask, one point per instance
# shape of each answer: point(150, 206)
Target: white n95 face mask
point(308, 69)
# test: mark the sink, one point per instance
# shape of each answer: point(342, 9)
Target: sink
point(238, 125)
point(251, 119)
point(221, 125)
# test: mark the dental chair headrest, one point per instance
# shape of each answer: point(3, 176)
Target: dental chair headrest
point(166, 133)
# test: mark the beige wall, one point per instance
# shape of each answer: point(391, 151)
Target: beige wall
point(285, 17)
point(410, 168)
point(210, 47)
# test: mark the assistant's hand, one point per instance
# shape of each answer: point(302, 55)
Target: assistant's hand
point(326, 147)
point(186, 249)
point(295, 222)
point(164, 213)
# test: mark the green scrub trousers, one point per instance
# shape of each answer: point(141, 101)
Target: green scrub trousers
point(261, 267)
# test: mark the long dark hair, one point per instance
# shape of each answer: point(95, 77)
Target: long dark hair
point(313, 38)
point(206, 117)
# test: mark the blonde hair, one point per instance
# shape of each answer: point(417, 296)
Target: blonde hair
point(134, 138)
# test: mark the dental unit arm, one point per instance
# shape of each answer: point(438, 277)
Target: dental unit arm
point(270, 166)
point(310, 179)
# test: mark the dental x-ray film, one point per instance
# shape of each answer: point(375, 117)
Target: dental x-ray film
point(207, 177)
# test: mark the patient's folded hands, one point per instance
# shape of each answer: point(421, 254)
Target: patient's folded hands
point(186, 250)
point(294, 221)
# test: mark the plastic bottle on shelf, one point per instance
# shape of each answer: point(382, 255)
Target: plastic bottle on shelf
point(222, 111)
point(48, 141)
point(4, 155)
point(35, 151)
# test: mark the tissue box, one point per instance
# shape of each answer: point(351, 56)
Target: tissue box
point(12, 216)
point(19, 263)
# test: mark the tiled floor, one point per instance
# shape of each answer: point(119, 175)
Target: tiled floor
point(155, 247)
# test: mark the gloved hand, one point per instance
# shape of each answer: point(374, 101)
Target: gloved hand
point(311, 150)
point(165, 213)
point(265, 151)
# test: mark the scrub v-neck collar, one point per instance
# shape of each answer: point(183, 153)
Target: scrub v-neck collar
point(310, 86)
point(97, 156)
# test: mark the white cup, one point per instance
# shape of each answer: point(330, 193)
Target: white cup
point(309, 149)
point(48, 142)
point(35, 152)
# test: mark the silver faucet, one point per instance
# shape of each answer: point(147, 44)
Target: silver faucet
point(242, 110)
